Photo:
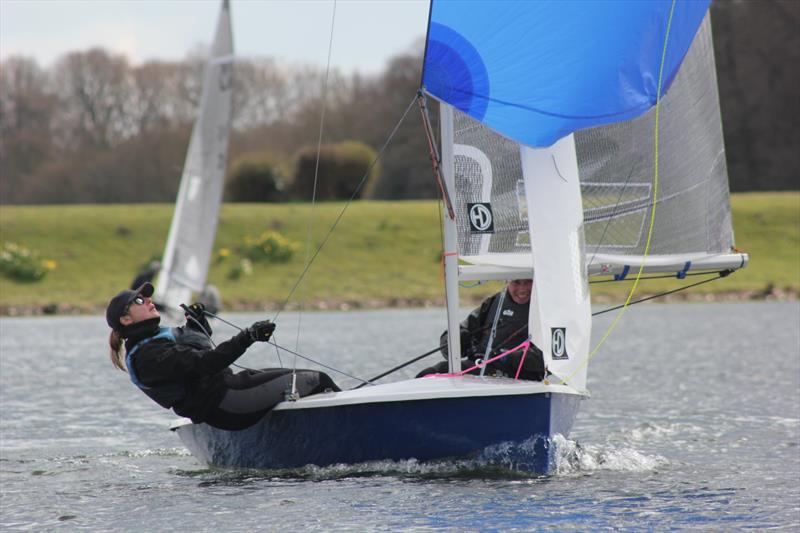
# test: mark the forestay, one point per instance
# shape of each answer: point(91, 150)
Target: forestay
point(191, 235)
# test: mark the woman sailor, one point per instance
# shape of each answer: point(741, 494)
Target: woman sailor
point(180, 369)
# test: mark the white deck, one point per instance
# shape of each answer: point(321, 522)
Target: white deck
point(430, 388)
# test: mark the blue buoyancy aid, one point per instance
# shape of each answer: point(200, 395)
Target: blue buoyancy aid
point(166, 395)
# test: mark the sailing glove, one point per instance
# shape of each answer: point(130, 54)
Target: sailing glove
point(196, 318)
point(261, 331)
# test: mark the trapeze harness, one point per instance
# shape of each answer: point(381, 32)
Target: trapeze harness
point(166, 395)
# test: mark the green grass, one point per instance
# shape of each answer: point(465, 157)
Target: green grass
point(383, 253)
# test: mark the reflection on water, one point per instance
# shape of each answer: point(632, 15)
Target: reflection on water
point(694, 422)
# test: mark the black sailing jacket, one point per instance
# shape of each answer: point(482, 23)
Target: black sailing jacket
point(512, 330)
point(199, 369)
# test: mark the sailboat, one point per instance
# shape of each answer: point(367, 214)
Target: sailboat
point(578, 139)
point(187, 254)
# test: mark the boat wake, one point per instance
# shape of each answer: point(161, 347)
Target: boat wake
point(501, 461)
point(572, 458)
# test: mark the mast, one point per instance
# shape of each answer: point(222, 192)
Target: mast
point(450, 243)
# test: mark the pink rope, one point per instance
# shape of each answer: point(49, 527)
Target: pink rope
point(522, 360)
point(525, 345)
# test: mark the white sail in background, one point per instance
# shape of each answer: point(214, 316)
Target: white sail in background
point(191, 236)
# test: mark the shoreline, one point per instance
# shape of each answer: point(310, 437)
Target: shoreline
point(770, 294)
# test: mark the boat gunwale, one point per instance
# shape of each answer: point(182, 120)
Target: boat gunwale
point(424, 389)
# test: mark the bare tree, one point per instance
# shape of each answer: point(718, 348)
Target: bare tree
point(93, 87)
point(260, 95)
point(26, 110)
point(152, 99)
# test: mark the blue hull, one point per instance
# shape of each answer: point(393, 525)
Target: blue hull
point(421, 429)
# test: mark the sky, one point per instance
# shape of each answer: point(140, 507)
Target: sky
point(366, 32)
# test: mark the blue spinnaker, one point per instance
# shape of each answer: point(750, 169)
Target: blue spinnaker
point(536, 71)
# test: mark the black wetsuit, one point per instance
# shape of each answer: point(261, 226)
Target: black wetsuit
point(179, 369)
point(511, 331)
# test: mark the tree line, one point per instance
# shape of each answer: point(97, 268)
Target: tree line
point(93, 128)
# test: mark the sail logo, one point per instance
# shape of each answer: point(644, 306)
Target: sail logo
point(480, 218)
point(558, 343)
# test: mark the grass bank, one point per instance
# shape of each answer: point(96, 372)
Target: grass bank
point(382, 254)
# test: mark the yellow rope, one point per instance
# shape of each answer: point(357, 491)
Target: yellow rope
point(652, 211)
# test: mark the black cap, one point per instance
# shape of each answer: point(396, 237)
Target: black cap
point(119, 303)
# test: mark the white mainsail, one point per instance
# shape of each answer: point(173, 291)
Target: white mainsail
point(191, 236)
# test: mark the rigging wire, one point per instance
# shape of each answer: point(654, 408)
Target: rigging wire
point(401, 366)
point(433, 351)
point(310, 231)
point(307, 358)
point(664, 276)
point(720, 274)
point(279, 347)
point(436, 160)
point(344, 209)
point(364, 382)
point(436, 167)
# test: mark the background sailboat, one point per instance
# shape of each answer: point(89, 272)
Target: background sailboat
point(546, 128)
point(187, 254)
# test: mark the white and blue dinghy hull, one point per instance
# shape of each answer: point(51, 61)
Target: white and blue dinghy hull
point(424, 419)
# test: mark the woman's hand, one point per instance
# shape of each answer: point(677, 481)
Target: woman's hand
point(196, 317)
point(261, 331)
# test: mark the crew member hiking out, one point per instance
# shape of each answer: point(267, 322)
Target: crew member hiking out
point(180, 369)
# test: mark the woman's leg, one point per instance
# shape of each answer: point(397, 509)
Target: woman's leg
point(243, 406)
point(252, 378)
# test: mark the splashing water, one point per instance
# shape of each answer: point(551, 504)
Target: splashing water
point(501, 461)
point(571, 458)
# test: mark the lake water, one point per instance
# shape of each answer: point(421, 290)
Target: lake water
point(694, 423)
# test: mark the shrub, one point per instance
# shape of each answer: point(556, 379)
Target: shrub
point(341, 168)
point(270, 246)
point(242, 268)
point(20, 264)
point(255, 178)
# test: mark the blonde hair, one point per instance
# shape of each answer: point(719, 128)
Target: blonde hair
point(117, 352)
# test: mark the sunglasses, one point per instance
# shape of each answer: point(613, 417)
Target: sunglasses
point(139, 300)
